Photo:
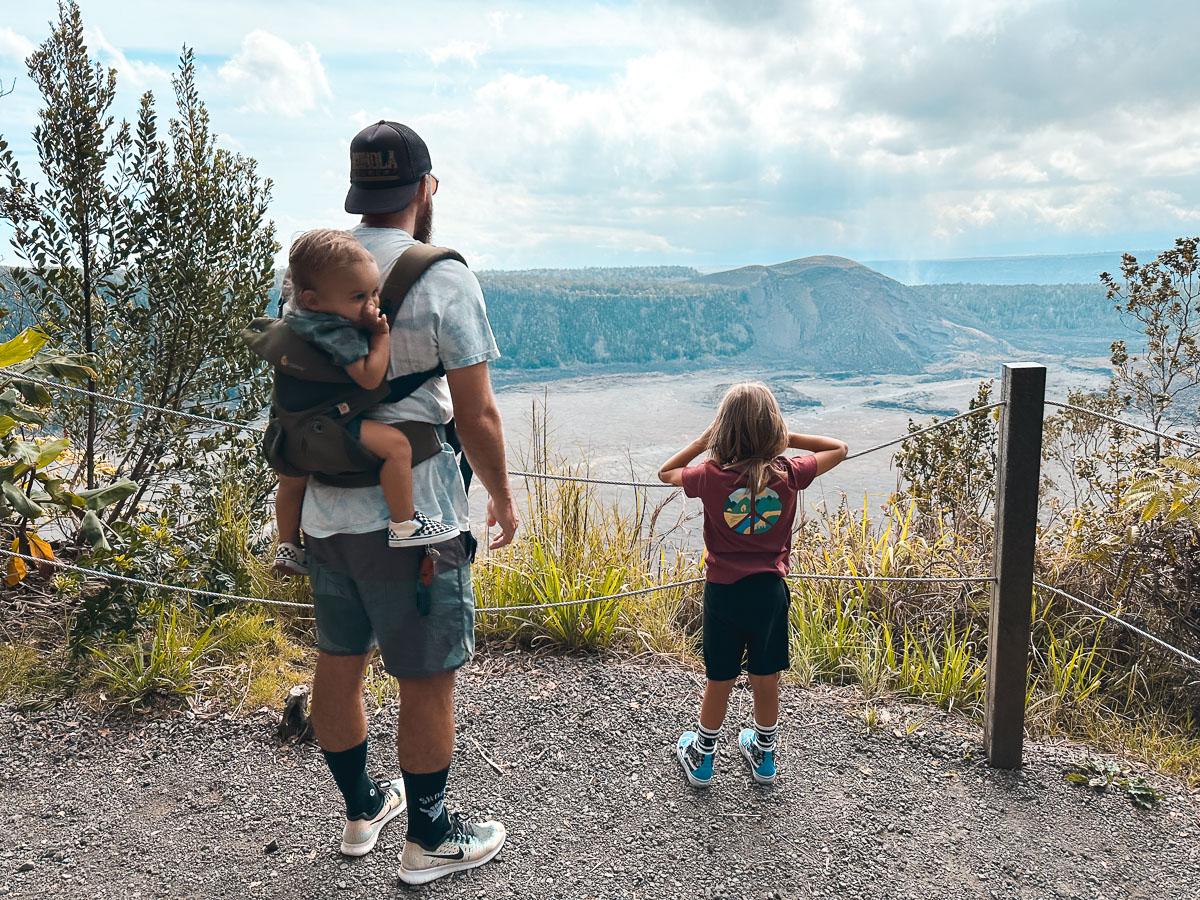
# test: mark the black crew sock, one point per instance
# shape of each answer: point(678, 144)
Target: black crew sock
point(349, 768)
point(428, 822)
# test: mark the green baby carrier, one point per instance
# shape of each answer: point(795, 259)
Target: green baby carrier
point(313, 398)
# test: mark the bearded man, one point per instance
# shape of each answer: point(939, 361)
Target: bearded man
point(367, 595)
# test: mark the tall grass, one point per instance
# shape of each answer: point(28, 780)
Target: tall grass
point(928, 641)
point(572, 545)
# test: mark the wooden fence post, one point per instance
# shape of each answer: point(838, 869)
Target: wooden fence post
point(1017, 477)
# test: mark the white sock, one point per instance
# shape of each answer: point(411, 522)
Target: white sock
point(765, 735)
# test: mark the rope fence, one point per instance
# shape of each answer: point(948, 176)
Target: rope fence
point(606, 481)
point(149, 407)
point(142, 582)
point(1115, 421)
point(252, 428)
point(936, 425)
point(579, 601)
point(1118, 620)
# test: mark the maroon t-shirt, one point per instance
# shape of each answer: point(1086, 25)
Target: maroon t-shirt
point(743, 539)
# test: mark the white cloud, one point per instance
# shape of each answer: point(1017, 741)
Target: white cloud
point(463, 51)
point(269, 75)
point(13, 45)
point(880, 127)
point(138, 75)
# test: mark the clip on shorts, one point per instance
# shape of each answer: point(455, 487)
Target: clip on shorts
point(367, 594)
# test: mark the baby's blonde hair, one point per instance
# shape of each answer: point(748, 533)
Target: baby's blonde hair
point(749, 433)
point(317, 251)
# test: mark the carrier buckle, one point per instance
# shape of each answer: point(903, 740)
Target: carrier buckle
point(343, 408)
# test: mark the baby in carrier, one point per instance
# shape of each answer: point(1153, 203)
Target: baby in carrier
point(335, 298)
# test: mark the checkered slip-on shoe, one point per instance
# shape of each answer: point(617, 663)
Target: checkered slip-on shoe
point(290, 559)
point(417, 531)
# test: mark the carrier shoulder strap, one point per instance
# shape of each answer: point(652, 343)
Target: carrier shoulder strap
point(410, 266)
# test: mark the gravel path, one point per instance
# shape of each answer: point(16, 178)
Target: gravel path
point(596, 807)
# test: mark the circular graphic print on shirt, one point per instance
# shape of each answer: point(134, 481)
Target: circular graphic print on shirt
point(746, 518)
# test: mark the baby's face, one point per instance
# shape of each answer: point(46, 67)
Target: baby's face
point(351, 292)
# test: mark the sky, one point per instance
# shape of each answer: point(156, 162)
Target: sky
point(692, 132)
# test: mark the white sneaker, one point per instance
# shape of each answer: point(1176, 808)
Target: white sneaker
point(290, 559)
point(467, 845)
point(418, 530)
point(359, 835)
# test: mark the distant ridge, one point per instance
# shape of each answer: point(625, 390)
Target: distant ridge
point(1070, 268)
point(830, 313)
point(1076, 268)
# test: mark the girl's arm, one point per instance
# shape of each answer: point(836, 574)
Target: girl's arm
point(672, 470)
point(828, 451)
point(369, 371)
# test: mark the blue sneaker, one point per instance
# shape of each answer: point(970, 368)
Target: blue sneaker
point(697, 766)
point(761, 762)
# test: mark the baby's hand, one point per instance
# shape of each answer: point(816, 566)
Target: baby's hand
point(379, 325)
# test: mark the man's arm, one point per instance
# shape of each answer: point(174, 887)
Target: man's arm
point(477, 421)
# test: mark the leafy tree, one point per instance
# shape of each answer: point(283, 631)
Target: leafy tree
point(32, 491)
point(145, 253)
point(204, 266)
point(952, 470)
point(1163, 299)
point(1088, 460)
point(73, 230)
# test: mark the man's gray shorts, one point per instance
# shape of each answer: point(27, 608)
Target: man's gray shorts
point(367, 594)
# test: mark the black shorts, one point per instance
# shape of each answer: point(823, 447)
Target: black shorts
point(746, 620)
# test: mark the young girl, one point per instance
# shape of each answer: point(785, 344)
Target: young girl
point(335, 290)
point(748, 489)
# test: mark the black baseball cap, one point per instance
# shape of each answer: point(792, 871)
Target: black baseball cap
point(387, 162)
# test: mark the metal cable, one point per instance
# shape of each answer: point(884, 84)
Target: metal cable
point(220, 595)
point(635, 484)
point(1123, 423)
point(1120, 621)
point(952, 579)
point(113, 576)
point(581, 601)
point(934, 426)
point(207, 420)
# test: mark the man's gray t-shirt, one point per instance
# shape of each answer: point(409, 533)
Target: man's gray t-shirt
point(443, 319)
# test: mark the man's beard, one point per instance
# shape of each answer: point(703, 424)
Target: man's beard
point(423, 231)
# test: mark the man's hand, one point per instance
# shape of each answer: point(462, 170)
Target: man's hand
point(477, 421)
point(503, 514)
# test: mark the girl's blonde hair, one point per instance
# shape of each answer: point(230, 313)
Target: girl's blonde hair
point(749, 433)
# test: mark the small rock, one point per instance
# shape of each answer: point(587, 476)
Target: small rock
point(25, 867)
point(271, 847)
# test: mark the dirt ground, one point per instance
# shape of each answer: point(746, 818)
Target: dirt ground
point(576, 756)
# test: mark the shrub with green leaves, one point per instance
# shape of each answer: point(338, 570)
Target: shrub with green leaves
point(38, 485)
